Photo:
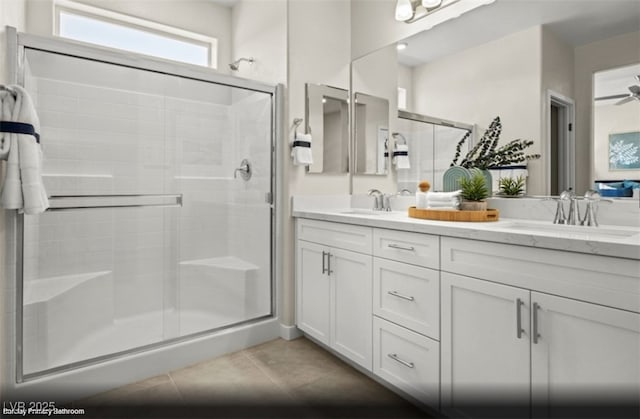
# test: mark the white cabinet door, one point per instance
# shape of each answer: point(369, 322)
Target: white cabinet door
point(585, 355)
point(485, 346)
point(313, 290)
point(351, 305)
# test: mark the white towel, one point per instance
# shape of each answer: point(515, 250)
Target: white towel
point(301, 150)
point(401, 156)
point(442, 196)
point(22, 187)
point(454, 203)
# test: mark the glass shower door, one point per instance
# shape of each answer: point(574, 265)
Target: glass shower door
point(150, 237)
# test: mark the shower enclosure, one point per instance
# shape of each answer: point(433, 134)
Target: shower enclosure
point(432, 146)
point(161, 224)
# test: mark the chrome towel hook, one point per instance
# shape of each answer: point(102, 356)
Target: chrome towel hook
point(244, 169)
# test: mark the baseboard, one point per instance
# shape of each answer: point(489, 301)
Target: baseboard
point(289, 332)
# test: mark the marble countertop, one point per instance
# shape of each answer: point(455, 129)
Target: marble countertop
point(616, 241)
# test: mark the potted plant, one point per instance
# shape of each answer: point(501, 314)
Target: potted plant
point(511, 187)
point(473, 192)
point(486, 154)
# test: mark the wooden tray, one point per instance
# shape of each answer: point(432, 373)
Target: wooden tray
point(454, 215)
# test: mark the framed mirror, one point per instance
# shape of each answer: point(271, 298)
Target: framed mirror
point(616, 128)
point(327, 116)
point(466, 70)
point(371, 132)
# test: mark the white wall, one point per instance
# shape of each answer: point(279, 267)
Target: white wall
point(602, 55)
point(499, 78)
point(12, 13)
point(259, 30)
point(557, 64)
point(320, 56)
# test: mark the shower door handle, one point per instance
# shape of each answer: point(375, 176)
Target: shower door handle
point(83, 202)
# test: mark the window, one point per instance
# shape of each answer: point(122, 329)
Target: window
point(114, 30)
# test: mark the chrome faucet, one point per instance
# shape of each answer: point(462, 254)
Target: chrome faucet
point(574, 210)
point(378, 199)
point(560, 217)
point(590, 215)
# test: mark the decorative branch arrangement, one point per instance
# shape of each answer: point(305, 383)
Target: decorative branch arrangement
point(486, 154)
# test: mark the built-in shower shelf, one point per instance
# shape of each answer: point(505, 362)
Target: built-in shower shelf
point(42, 290)
point(223, 262)
point(59, 310)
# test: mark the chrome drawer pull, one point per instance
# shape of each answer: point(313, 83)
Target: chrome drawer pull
point(534, 333)
point(402, 361)
point(519, 329)
point(404, 297)
point(324, 269)
point(399, 247)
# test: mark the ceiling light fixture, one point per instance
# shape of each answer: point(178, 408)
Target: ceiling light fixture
point(430, 4)
point(401, 46)
point(404, 10)
point(410, 11)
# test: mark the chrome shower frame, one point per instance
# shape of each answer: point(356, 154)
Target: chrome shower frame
point(263, 328)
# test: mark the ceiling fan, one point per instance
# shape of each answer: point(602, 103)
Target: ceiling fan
point(625, 97)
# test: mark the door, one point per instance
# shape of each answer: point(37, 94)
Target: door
point(150, 237)
point(313, 290)
point(571, 367)
point(485, 347)
point(351, 305)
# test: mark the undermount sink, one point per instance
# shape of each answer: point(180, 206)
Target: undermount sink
point(361, 211)
point(571, 230)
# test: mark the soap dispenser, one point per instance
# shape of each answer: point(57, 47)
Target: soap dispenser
point(421, 194)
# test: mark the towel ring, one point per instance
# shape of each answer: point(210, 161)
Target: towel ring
point(8, 89)
point(396, 135)
point(296, 124)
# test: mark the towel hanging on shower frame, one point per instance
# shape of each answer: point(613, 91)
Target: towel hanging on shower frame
point(13, 127)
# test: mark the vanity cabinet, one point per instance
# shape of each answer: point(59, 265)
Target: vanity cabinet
point(406, 307)
point(525, 348)
point(334, 287)
point(469, 326)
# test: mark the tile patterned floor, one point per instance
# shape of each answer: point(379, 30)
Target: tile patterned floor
point(278, 379)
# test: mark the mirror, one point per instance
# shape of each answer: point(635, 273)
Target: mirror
point(616, 125)
point(327, 116)
point(470, 71)
point(373, 78)
point(371, 125)
point(432, 142)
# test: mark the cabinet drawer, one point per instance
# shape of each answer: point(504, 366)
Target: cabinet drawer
point(407, 295)
point(343, 236)
point(598, 279)
point(415, 248)
point(407, 360)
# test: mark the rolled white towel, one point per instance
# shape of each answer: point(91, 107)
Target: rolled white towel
point(401, 156)
point(301, 150)
point(23, 187)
